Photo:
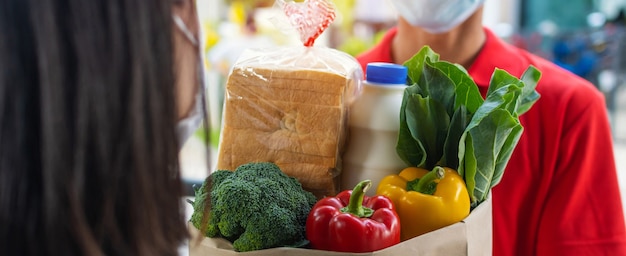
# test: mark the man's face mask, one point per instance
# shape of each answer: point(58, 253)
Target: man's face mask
point(189, 124)
point(436, 16)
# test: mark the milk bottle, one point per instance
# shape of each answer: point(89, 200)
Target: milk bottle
point(373, 127)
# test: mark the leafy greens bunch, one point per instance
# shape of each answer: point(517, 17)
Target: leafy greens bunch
point(444, 121)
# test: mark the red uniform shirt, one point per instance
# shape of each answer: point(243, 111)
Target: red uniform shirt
point(559, 194)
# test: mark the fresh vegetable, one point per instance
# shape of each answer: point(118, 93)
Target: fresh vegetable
point(255, 207)
point(353, 222)
point(426, 200)
point(444, 121)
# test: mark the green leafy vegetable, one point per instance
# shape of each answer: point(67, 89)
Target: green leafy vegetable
point(445, 121)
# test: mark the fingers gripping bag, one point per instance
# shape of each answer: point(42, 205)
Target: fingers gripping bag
point(289, 104)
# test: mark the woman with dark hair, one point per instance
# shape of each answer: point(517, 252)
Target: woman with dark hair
point(96, 98)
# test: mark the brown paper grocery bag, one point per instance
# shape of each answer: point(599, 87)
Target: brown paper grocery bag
point(471, 237)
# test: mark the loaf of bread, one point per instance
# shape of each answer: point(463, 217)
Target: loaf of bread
point(295, 117)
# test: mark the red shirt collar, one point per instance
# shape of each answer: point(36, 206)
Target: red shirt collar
point(495, 53)
point(381, 52)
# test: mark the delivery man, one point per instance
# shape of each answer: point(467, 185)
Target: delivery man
point(559, 194)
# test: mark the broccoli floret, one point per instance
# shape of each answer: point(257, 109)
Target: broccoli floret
point(201, 195)
point(257, 207)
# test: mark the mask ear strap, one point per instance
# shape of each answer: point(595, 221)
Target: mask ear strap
point(183, 28)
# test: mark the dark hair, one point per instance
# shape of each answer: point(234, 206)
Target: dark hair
point(88, 152)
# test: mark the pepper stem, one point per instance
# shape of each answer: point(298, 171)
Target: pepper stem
point(355, 205)
point(427, 184)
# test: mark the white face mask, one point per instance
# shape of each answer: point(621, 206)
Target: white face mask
point(436, 16)
point(189, 124)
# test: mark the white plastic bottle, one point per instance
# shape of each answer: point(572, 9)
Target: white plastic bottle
point(374, 123)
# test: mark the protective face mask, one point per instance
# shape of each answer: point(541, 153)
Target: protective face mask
point(189, 124)
point(436, 16)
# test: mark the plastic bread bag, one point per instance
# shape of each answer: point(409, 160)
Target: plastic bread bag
point(289, 104)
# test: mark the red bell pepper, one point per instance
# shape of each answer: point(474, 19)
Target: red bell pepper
point(353, 222)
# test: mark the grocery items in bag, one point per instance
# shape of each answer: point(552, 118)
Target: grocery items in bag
point(470, 236)
point(374, 124)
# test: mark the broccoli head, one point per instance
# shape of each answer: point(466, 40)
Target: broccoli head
point(255, 207)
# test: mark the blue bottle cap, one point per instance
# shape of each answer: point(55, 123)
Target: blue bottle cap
point(386, 73)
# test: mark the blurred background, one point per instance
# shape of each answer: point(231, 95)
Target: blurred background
point(586, 37)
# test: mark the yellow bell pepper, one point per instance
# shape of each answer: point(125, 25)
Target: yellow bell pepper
point(426, 201)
